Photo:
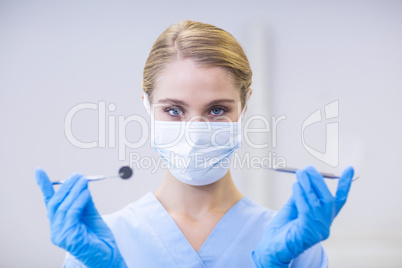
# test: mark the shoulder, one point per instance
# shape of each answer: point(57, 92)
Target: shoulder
point(130, 213)
point(254, 219)
point(255, 211)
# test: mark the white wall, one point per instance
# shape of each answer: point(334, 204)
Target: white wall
point(54, 55)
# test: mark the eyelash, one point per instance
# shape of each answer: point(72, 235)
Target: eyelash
point(171, 108)
point(224, 110)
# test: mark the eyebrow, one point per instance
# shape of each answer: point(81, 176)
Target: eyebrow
point(179, 102)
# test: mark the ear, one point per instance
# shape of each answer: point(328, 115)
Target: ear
point(142, 95)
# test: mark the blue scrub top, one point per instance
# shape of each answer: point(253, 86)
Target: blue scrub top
point(147, 236)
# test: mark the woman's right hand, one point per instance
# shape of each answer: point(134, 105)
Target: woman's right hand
point(75, 224)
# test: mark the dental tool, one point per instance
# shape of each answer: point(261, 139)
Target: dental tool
point(125, 172)
point(293, 170)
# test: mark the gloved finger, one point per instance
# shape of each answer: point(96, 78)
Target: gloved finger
point(71, 198)
point(310, 194)
point(89, 214)
point(68, 232)
point(44, 184)
point(59, 196)
point(300, 198)
point(79, 205)
point(90, 209)
point(318, 184)
point(287, 213)
point(343, 188)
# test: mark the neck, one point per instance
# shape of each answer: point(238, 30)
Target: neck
point(196, 201)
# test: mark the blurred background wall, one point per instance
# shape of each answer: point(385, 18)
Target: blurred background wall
point(304, 54)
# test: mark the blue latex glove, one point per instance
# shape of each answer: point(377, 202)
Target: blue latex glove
point(75, 224)
point(304, 220)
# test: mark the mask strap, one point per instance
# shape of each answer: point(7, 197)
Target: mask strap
point(244, 108)
point(146, 103)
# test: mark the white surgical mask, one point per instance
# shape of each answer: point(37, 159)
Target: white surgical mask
point(196, 153)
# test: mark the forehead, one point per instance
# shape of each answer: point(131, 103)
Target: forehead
point(186, 78)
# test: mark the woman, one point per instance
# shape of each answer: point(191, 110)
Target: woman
point(196, 82)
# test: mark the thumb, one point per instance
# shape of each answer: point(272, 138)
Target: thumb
point(44, 184)
point(343, 189)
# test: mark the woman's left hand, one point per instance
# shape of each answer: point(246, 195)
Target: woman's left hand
point(304, 220)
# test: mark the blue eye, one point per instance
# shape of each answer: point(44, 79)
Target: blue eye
point(174, 111)
point(217, 111)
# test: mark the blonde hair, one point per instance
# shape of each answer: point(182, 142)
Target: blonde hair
point(206, 45)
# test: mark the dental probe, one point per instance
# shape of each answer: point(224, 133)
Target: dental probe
point(293, 170)
point(125, 172)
